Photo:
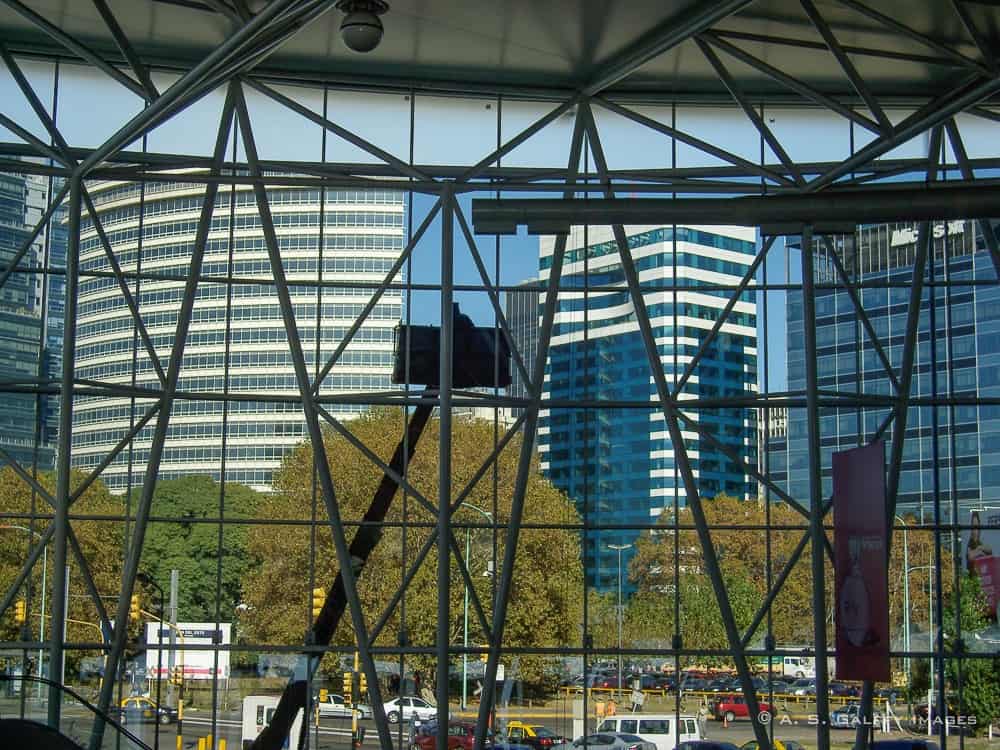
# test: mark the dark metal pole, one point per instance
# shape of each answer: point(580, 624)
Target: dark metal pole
point(65, 442)
point(815, 494)
point(444, 466)
point(784, 212)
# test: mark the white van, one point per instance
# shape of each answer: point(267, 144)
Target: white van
point(666, 731)
point(257, 713)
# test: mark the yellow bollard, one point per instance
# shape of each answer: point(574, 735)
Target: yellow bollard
point(201, 743)
point(222, 744)
point(179, 743)
point(208, 742)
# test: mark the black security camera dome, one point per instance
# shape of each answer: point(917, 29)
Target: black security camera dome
point(361, 28)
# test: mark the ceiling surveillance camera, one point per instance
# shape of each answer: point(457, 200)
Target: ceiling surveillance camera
point(361, 27)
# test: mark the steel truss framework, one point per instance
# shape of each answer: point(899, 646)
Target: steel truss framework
point(888, 186)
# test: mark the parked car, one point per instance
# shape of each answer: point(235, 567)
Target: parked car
point(535, 735)
point(695, 684)
point(461, 735)
point(407, 707)
point(653, 681)
point(336, 705)
point(843, 689)
point(719, 686)
point(612, 740)
point(137, 709)
point(805, 686)
point(706, 745)
point(907, 744)
point(846, 717)
point(778, 745)
point(731, 707)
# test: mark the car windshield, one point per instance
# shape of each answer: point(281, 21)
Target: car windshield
point(543, 732)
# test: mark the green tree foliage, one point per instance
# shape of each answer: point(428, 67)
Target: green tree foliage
point(662, 566)
point(196, 548)
point(100, 535)
point(545, 603)
point(980, 678)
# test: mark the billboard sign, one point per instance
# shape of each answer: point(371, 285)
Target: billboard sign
point(860, 560)
point(191, 638)
point(981, 550)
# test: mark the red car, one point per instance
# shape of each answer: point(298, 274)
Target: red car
point(731, 707)
point(460, 736)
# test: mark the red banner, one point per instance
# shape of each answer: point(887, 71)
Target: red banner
point(859, 524)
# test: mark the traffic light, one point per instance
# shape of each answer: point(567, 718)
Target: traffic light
point(323, 694)
point(362, 684)
point(347, 686)
point(176, 675)
point(319, 599)
point(133, 610)
point(485, 656)
point(20, 612)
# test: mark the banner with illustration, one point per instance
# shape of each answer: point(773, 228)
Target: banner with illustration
point(981, 553)
point(861, 575)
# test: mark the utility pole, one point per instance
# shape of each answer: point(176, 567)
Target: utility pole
point(172, 617)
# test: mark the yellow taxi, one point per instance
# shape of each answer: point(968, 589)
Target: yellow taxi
point(535, 735)
point(139, 708)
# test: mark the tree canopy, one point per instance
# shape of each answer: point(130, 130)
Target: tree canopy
point(546, 595)
point(195, 546)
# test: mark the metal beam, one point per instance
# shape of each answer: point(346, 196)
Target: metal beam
point(502, 591)
point(670, 412)
point(545, 215)
point(445, 364)
point(309, 410)
point(817, 534)
point(846, 65)
point(694, 142)
point(985, 227)
point(749, 110)
point(793, 83)
point(140, 70)
point(76, 47)
point(60, 523)
point(673, 31)
point(131, 567)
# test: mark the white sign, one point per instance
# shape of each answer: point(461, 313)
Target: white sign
point(198, 663)
point(908, 236)
point(500, 672)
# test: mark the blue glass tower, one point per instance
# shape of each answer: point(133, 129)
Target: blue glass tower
point(961, 359)
point(617, 463)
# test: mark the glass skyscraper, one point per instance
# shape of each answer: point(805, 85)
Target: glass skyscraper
point(237, 341)
point(617, 464)
point(960, 360)
point(31, 310)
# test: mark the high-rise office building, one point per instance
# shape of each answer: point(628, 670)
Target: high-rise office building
point(31, 309)
point(618, 464)
point(965, 348)
point(237, 341)
point(522, 317)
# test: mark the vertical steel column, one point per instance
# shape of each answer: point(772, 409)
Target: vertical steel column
point(815, 493)
point(444, 463)
point(524, 458)
point(131, 567)
point(670, 416)
point(65, 443)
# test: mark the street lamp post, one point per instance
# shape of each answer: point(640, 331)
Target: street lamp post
point(41, 624)
point(149, 580)
point(930, 623)
point(620, 548)
point(465, 610)
point(906, 602)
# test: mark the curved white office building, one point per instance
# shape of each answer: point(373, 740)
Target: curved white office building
point(237, 341)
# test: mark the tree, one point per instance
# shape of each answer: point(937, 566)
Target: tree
point(742, 557)
point(546, 593)
point(980, 678)
point(100, 535)
point(211, 563)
